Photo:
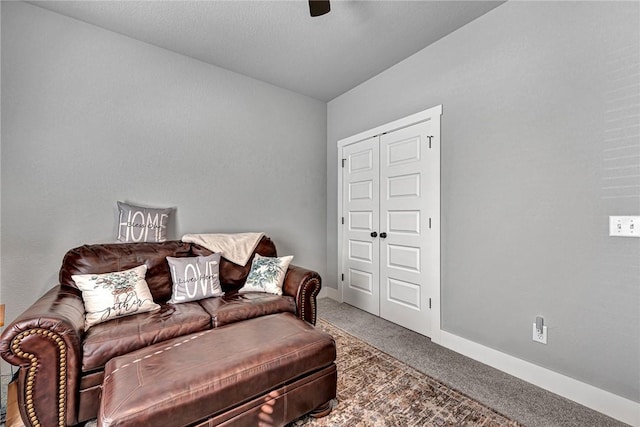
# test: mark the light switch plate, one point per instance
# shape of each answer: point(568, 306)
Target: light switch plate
point(624, 226)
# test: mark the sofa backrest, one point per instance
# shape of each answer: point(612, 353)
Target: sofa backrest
point(110, 257)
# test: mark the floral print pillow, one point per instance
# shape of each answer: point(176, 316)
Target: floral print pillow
point(267, 274)
point(111, 295)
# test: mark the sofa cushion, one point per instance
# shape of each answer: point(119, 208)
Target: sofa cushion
point(105, 258)
point(235, 307)
point(233, 276)
point(124, 335)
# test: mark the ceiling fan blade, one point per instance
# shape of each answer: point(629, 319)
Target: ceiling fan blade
point(319, 7)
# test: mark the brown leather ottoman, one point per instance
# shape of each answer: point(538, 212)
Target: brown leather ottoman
point(264, 371)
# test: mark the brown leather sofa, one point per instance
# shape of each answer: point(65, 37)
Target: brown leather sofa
point(62, 366)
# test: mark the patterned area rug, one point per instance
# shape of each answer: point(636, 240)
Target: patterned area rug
point(375, 389)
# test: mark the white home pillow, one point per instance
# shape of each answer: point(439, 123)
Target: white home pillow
point(111, 295)
point(267, 274)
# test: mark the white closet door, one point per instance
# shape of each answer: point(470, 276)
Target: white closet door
point(389, 236)
point(407, 166)
point(361, 215)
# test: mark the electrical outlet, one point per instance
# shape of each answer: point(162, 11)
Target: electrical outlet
point(541, 338)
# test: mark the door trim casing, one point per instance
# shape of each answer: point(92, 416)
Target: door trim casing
point(434, 114)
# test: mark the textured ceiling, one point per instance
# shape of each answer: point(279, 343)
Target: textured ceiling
point(278, 42)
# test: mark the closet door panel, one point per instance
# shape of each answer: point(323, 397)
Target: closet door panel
point(361, 190)
point(404, 287)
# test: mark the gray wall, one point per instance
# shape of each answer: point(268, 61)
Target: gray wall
point(90, 117)
point(540, 143)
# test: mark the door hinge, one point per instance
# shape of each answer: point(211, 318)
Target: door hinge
point(429, 303)
point(343, 160)
point(342, 278)
point(429, 137)
point(342, 220)
point(429, 222)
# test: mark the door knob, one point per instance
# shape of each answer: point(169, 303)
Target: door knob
point(383, 235)
point(374, 234)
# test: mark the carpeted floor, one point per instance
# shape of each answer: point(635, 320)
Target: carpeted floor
point(376, 390)
point(517, 399)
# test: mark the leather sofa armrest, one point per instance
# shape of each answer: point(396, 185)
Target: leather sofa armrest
point(45, 342)
point(304, 285)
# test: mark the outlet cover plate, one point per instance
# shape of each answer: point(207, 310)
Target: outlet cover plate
point(541, 338)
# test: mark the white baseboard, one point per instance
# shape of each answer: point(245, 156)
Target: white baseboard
point(615, 406)
point(332, 293)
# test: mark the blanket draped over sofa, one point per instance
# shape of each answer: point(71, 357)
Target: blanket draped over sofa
point(237, 247)
point(62, 365)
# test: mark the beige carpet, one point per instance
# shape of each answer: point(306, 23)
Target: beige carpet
point(375, 389)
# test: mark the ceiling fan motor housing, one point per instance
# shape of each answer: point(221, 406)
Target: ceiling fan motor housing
point(319, 7)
